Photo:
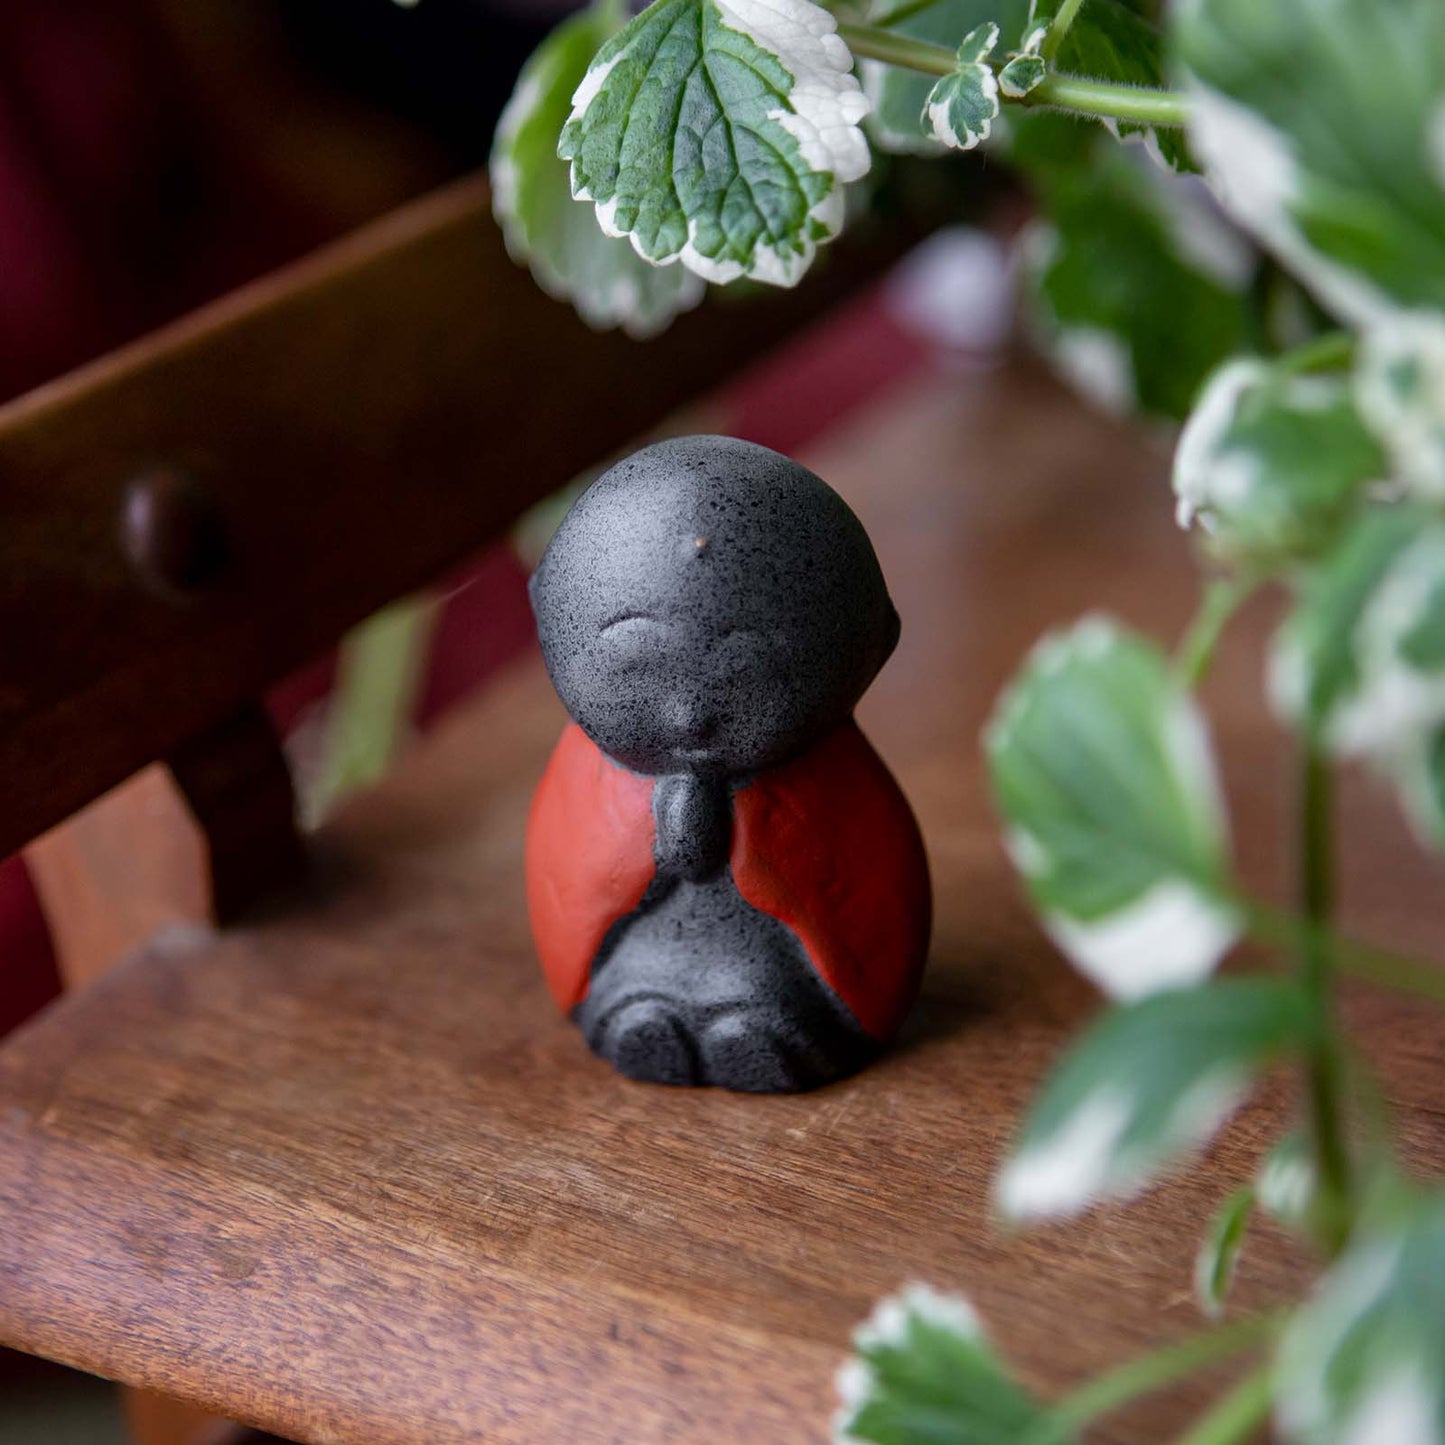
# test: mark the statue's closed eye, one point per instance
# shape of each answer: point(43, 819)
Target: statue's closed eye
point(628, 623)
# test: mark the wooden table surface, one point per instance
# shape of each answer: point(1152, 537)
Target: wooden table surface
point(344, 1173)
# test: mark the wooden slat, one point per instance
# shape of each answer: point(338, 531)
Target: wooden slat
point(126, 865)
point(358, 422)
point(345, 1173)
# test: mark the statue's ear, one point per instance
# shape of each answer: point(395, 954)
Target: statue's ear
point(532, 591)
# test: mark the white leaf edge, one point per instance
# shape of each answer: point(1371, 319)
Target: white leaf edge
point(1205, 477)
point(1252, 170)
point(1082, 1163)
point(1413, 436)
point(1210, 480)
point(1170, 937)
point(1174, 934)
point(1008, 75)
point(1098, 364)
point(1395, 704)
point(828, 105)
point(888, 1325)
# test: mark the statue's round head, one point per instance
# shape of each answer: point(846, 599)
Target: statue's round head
point(710, 606)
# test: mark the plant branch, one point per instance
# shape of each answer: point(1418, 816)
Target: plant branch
point(1330, 352)
point(1110, 102)
point(1066, 92)
point(906, 11)
point(1282, 929)
point(1223, 597)
point(1151, 1372)
point(878, 44)
point(1068, 13)
point(1322, 1062)
point(1234, 1416)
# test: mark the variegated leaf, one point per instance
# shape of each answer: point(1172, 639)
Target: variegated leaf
point(899, 121)
point(1319, 125)
point(720, 133)
point(924, 1372)
point(962, 107)
point(556, 237)
point(1272, 464)
point(1146, 1084)
point(1102, 769)
point(1400, 384)
point(1364, 1362)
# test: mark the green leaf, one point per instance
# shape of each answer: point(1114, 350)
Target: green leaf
point(720, 133)
point(925, 1375)
point(899, 122)
point(962, 107)
point(1148, 1082)
point(1273, 463)
point(1219, 1252)
point(1318, 122)
point(1101, 767)
point(1027, 68)
point(558, 238)
point(1118, 42)
point(1364, 1360)
point(1361, 659)
point(1136, 291)
point(1401, 385)
point(1022, 74)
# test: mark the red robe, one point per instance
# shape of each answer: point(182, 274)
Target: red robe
point(826, 844)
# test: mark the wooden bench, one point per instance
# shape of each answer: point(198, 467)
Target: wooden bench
point(338, 1169)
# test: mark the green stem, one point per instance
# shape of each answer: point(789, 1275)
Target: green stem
point(1280, 929)
point(1236, 1415)
point(906, 11)
point(1151, 1372)
point(1110, 102)
point(1330, 352)
point(1067, 92)
point(1322, 1062)
point(877, 44)
point(1059, 28)
point(1393, 970)
point(1223, 597)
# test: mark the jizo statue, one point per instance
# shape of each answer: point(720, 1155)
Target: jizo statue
point(726, 885)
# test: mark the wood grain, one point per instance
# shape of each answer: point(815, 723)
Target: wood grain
point(195, 843)
point(358, 422)
point(343, 1173)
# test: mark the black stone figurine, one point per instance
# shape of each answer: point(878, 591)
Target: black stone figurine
point(726, 885)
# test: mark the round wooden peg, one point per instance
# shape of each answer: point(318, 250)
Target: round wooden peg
point(172, 532)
